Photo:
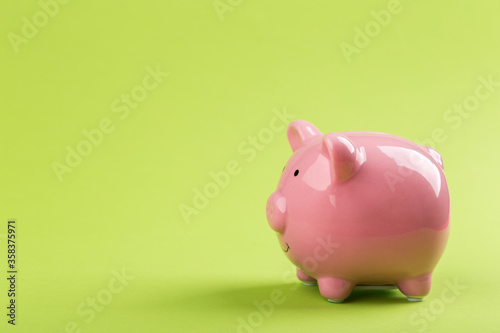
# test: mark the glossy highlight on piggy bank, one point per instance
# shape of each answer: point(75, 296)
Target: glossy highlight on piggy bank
point(361, 209)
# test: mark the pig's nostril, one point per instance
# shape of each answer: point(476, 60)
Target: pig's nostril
point(276, 211)
point(269, 209)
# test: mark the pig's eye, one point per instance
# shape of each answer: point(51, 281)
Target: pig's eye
point(296, 172)
point(283, 169)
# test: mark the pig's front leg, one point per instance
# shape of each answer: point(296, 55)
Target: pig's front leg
point(336, 290)
point(305, 278)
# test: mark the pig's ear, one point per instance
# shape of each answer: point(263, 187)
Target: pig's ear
point(345, 157)
point(299, 132)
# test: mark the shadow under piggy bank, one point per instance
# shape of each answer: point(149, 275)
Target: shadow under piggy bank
point(299, 296)
point(246, 305)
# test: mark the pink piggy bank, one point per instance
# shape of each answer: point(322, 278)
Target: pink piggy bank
point(361, 208)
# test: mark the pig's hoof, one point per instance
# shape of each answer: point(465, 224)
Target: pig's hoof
point(414, 299)
point(335, 300)
point(310, 283)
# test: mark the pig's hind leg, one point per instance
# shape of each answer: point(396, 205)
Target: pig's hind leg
point(306, 279)
point(415, 288)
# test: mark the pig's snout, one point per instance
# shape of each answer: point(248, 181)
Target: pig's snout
point(276, 211)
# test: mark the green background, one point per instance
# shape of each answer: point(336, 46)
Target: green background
point(229, 72)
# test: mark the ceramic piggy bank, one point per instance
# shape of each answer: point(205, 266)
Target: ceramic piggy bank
point(361, 208)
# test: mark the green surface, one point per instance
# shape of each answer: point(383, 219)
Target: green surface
point(83, 220)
